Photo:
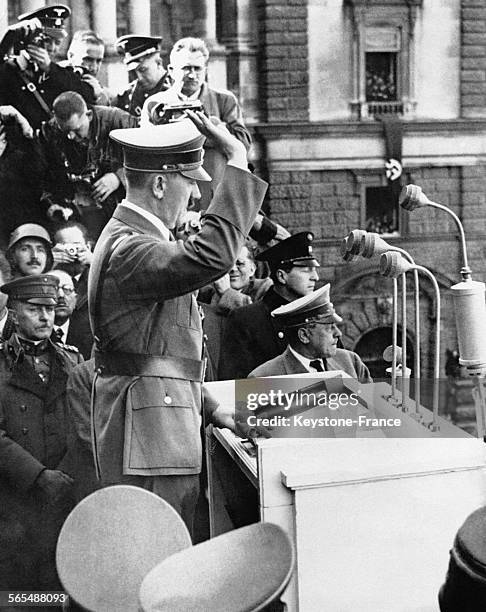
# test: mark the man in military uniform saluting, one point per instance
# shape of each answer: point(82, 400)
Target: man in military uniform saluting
point(142, 54)
point(35, 488)
point(147, 396)
point(30, 79)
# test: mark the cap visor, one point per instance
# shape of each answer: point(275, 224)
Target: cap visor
point(42, 301)
point(306, 262)
point(198, 174)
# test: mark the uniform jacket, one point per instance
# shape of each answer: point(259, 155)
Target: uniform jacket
point(150, 425)
point(222, 104)
point(251, 337)
point(133, 98)
point(14, 91)
point(287, 363)
point(79, 332)
point(33, 436)
point(32, 415)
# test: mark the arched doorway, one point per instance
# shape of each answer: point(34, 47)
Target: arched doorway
point(370, 348)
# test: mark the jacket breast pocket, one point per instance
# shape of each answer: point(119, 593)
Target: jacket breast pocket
point(162, 427)
point(187, 312)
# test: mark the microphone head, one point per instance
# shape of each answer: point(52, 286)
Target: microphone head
point(412, 197)
point(373, 244)
point(345, 253)
point(354, 241)
point(393, 264)
point(388, 354)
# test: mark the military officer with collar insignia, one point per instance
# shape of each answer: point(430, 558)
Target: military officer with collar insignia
point(35, 485)
point(30, 79)
point(141, 54)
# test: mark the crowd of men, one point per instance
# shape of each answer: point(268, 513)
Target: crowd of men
point(104, 346)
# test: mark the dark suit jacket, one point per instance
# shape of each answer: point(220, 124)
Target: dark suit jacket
point(251, 337)
point(149, 425)
point(287, 363)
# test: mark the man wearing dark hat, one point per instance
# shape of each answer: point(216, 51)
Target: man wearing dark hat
point(252, 336)
point(143, 311)
point(30, 79)
point(35, 488)
point(141, 54)
point(29, 250)
point(312, 332)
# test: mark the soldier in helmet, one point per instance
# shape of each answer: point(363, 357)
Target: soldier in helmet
point(29, 250)
point(35, 485)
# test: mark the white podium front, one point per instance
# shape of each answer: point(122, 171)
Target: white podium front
point(372, 519)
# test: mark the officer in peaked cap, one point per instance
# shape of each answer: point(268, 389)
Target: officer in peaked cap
point(311, 331)
point(295, 250)
point(51, 18)
point(141, 54)
point(35, 485)
point(35, 240)
point(35, 289)
point(174, 147)
point(143, 310)
point(28, 52)
point(252, 336)
point(465, 585)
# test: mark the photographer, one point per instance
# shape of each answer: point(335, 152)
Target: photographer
point(29, 77)
point(83, 167)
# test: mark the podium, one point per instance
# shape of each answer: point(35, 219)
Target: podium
point(372, 518)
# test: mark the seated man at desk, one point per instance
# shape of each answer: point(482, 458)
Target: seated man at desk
point(311, 330)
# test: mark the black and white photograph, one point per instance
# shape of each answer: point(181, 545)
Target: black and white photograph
point(243, 305)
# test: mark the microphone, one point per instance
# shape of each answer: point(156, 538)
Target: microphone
point(345, 252)
point(470, 315)
point(388, 353)
point(412, 197)
point(354, 241)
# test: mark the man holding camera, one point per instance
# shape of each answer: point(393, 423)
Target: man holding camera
point(188, 66)
point(29, 77)
point(83, 167)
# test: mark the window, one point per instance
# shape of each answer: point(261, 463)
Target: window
point(381, 211)
point(383, 67)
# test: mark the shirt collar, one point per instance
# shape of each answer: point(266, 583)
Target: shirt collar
point(303, 360)
point(64, 327)
point(159, 224)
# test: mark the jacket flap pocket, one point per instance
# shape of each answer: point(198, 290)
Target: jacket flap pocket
point(169, 392)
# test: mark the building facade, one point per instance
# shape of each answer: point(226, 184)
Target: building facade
point(319, 81)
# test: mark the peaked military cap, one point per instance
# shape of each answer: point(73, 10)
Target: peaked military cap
point(35, 289)
point(315, 306)
point(295, 250)
point(119, 534)
point(465, 584)
point(244, 569)
point(134, 48)
point(172, 147)
point(52, 19)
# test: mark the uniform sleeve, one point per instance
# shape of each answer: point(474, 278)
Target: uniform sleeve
point(67, 80)
point(145, 268)
point(16, 464)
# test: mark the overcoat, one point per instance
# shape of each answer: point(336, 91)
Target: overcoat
point(33, 436)
point(287, 363)
point(148, 423)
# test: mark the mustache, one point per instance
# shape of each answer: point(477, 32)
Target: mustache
point(34, 262)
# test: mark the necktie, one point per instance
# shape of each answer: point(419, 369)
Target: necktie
point(317, 365)
point(58, 333)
